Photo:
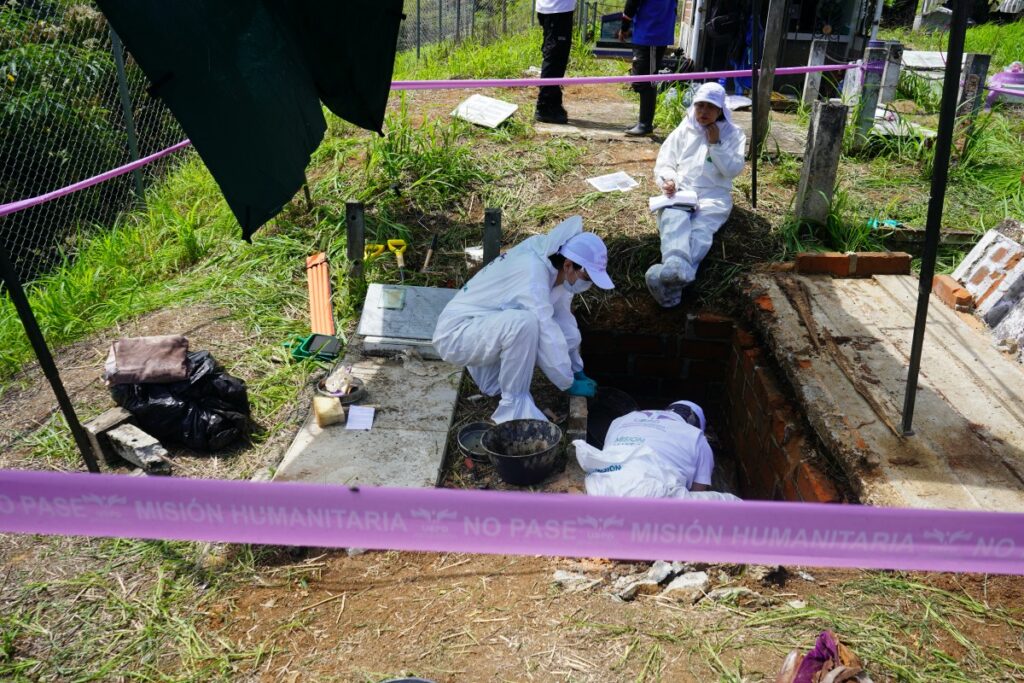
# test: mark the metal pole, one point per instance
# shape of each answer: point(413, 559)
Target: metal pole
point(940, 172)
point(440, 26)
point(755, 44)
point(492, 234)
point(533, 13)
point(35, 337)
point(458, 21)
point(504, 17)
point(418, 25)
point(126, 108)
point(355, 229)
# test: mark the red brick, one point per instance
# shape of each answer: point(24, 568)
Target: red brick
point(789, 490)
point(656, 366)
point(767, 389)
point(751, 361)
point(882, 263)
point(742, 339)
point(639, 343)
point(706, 370)
point(778, 461)
point(765, 303)
point(830, 263)
point(794, 452)
point(979, 275)
point(813, 485)
point(703, 349)
point(712, 326)
point(950, 291)
point(804, 363)
point(783, 428)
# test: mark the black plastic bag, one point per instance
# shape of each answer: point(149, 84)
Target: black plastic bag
point(206, 412)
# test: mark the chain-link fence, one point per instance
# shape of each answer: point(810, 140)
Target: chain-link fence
point(65, 89)
point(433, 21)
point(73, 104)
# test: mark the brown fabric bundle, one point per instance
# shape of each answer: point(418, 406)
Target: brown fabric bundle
point(147, 360)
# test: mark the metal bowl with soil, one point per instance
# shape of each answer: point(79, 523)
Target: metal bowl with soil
point(524, 452)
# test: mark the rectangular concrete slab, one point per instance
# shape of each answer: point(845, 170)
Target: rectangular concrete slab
point(844, 345)
point(401, 312)
point(415, 403)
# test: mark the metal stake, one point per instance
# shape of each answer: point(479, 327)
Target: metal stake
point(35, 337)
point(940, 173)
point(126, 108)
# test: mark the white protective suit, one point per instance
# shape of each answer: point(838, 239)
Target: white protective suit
point(650, 454)
point(509, 318)
point(688, 159)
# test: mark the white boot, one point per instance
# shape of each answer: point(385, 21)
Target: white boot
point(666, 296)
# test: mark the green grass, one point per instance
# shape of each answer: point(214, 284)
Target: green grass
point(1005, 42)
point(846, 229)
point(135, 610)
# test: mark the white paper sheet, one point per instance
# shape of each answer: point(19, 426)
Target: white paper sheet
point(618, 181)
point(484, 111)
point(685, 198)
point(360, 417)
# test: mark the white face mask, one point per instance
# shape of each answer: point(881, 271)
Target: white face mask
point(577, 287)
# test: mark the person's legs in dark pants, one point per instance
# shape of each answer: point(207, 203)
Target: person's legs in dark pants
point(646, 60)
point(555, 49)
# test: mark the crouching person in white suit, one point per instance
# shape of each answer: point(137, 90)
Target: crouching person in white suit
point(653, 454)
point(700, 157)
point(516, 314)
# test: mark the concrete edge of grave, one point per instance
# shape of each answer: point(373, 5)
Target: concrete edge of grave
point(795, 356)
point(213, 556)
point(884, 467)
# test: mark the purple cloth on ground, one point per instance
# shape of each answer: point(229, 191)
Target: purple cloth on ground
point(825, 648)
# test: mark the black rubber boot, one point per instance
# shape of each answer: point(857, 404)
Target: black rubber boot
point(645, 126)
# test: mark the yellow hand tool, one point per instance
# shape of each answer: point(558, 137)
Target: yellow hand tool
point(372, 251)
point(398, 247)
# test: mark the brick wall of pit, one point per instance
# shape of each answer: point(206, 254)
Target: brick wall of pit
point(719, 364)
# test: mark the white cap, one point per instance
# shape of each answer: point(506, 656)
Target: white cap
point(711, 92)
point(695, 408)
point(588, 250)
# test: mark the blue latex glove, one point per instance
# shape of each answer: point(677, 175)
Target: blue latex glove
point(579, 375)
point(583, 387)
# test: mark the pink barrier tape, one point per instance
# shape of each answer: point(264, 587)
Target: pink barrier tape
point(597, 80)
point(511, 523)
point(22, 204)
point(1005, 91)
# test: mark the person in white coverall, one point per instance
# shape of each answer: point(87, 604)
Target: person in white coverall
point(516, 314)
point(703, 154)
point(653, 454)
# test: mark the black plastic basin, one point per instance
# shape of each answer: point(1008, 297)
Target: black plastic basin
point(524, 452)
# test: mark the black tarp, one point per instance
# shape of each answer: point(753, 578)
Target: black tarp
point(245, 79)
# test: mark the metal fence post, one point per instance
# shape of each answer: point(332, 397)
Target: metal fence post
point(355, 228)
point(458, 21)
point(126, 108)
point(418, 25)
point(492, 234)
point(504, 17)
point(533, 13)
point(35, 337)
point(440, 26)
